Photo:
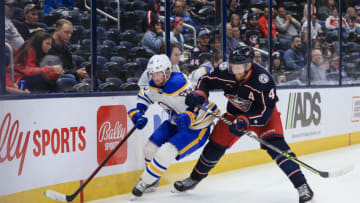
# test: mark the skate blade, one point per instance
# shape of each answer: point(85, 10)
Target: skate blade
point(150, 190)
point(174, 190)
point(134, 198)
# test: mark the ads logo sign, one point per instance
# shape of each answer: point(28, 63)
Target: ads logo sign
point(303, 108)
point(111, 129)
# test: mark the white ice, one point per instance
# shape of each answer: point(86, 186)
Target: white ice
point(267, 184)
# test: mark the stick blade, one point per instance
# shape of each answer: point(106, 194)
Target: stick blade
point(55, 195)
point(342, 171)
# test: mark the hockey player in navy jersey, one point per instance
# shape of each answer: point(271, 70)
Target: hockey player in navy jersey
point(185, 131)
point(251, 106)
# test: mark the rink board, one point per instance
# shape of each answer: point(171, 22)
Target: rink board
point(39, 152)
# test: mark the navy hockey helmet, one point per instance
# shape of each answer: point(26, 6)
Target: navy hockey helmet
point(241, 55)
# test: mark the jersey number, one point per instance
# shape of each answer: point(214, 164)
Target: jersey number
point(272, 94)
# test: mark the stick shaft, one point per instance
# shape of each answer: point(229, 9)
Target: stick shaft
point(71, 197)
point(267, 144)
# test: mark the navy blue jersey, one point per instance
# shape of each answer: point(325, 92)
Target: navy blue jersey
point(254, 97)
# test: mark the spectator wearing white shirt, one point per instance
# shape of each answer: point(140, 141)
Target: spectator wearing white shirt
point(333, 22)
point(286, 24)
point(315, 27)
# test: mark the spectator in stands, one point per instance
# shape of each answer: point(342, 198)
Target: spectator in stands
point(287, 25)
point(235, 20)
point(263, 24)
point(27, 65)
point(61, 37)
point(215, 44)
point(12, 36)
point(238, 7)
point(175, 56)
point(352, 19)
point(30, 24)
point(202, 46)
point(326, 10)
point(312, 9)
point(153, 38)
point(333, 71)
point(153, 7)
point(180, 9)
point(333, 22)
point(317, 68)
point(231, 42)
point(175, 34)
point(294, 60)
point(315, 27)
point(278, 69)
point(258, 58)
point(250, 32)
point(236, 33)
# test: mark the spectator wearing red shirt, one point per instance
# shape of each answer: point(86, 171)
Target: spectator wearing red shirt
point(26, 65)
point(263, 24)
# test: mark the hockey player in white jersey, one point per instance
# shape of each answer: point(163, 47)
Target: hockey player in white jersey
point(185, 131)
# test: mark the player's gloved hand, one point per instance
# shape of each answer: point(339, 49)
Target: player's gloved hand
point(137, 118)
point(183, 120)
point(239, 125)
point(196, 97)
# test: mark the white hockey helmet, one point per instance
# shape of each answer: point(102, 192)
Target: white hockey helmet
point(159, 63)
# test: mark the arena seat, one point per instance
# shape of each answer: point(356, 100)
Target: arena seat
point(104, 50)
point(122, 51)
point(113, 34)
point(140, 5)
point(76, 35)
point(77, 60)
point(132, 79)
point(82, 87)
point(108, 86)
point(142, 61)
point(117, 81)
point(109, 43)
point(65, 84)
point(129, 86)
point(118, 59)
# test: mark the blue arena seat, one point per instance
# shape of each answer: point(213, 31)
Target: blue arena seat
point(122, 51)
point(118, 59)
point(128, 86)
point(65, 84)
point(109, 43)
point(77, 60)
point(108, 86)
point(117, 81)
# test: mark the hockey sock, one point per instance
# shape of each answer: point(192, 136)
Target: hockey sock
point(208, 159)
point(158, 165)
point(149, 151)
point(291, 169)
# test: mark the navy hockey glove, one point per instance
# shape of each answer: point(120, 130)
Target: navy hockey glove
point(196, 97)
point(183, 120)
point(239, 125)
point(136, 115)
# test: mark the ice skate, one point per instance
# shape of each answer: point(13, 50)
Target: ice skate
point(184, 185)
point(152, 187)
point(305, 193)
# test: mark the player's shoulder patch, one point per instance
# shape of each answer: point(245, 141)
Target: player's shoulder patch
point(263, 78)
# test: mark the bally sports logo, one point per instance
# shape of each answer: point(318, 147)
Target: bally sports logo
point(111, 129)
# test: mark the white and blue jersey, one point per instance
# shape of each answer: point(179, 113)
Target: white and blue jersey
point(171, 97)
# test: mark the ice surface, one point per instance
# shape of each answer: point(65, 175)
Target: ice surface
point(267, 184)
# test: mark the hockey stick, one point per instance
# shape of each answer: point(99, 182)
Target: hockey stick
point(68, 198)
point(324, 174)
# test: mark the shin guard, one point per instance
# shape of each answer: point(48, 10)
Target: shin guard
point(208, 159)
point(291, 169)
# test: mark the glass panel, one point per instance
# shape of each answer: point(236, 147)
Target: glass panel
point(199, 35)
point(351, 46)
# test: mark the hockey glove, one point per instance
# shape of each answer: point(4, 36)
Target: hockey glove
point(183, 120)
point(239, 125)
point(137, 118)
point(196, 97)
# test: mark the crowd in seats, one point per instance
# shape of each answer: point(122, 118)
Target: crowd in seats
point(123, 52)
